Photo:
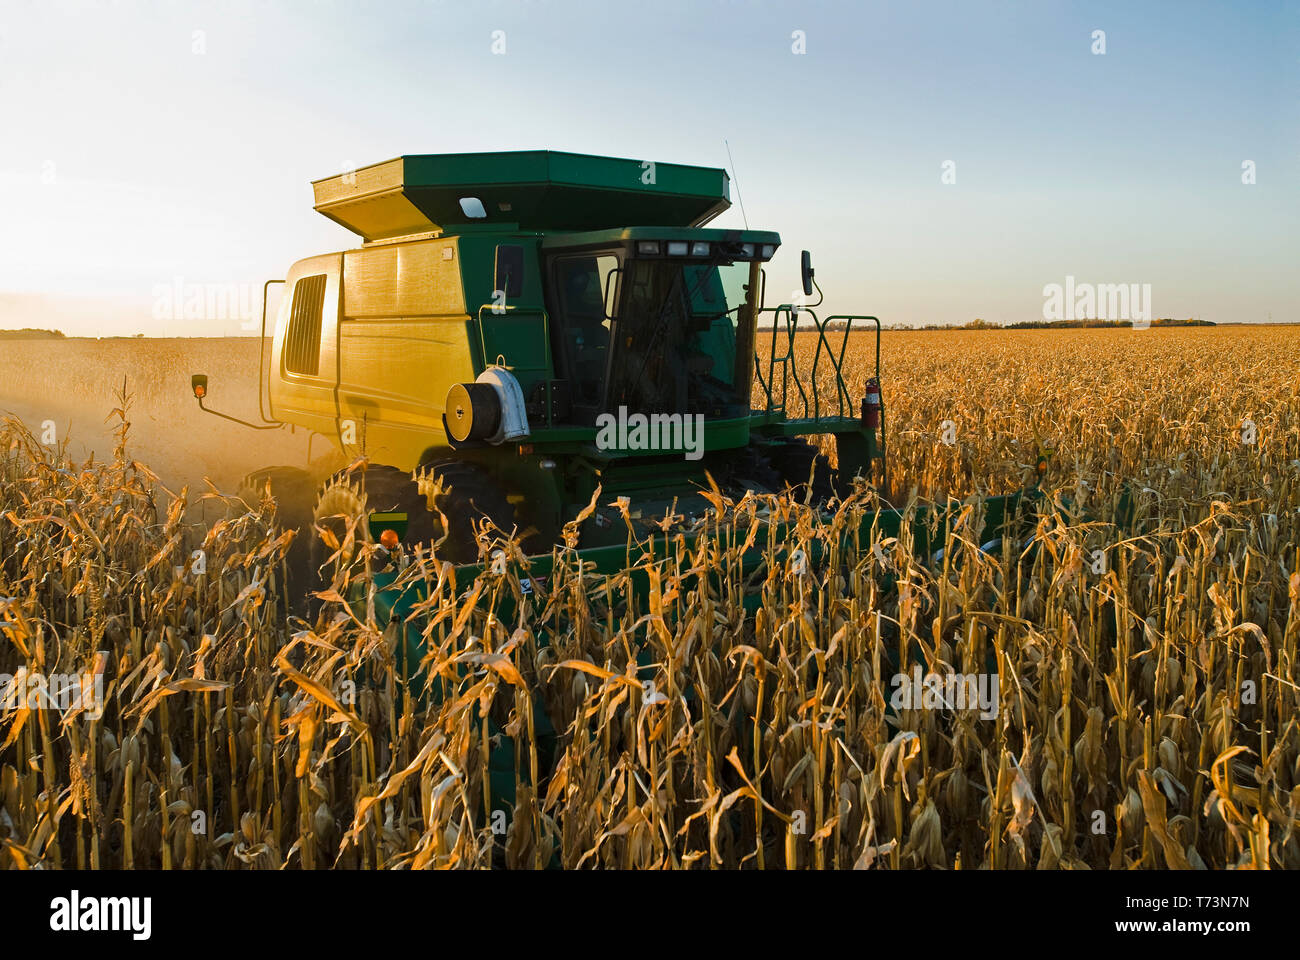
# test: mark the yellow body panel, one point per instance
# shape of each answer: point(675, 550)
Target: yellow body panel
point(395, 338)
point(393, 383)
point(410, 280)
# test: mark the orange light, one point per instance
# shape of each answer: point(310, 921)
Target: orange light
point(200, 390)
point(388, 539)
point(525, 449)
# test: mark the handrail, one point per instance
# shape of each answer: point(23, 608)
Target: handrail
point(843, 403)
point(787, 358)
point(261, 348)
point(850, 317)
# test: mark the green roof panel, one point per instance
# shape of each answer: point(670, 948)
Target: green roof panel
point(534, 189)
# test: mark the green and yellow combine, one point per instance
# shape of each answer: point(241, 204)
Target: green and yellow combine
point(544, 369)
point(529, 342)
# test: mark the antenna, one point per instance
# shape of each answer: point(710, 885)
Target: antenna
point(739, 198)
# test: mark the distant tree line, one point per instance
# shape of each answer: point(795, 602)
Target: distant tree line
point(1048, 324)
point(31, 333)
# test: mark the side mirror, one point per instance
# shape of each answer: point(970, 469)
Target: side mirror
point(510, 269)
point(199, 384)
point(806, 271)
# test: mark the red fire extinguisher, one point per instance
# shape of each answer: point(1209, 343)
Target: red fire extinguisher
point(871, 404)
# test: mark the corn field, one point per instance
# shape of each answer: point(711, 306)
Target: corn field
point(684, 713)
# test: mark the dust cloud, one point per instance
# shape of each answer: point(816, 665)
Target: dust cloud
point(74, 384)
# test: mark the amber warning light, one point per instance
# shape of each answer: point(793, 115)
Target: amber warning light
point(388, 528)
point(200, 384)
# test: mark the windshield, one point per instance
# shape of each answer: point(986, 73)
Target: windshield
point(675, 338)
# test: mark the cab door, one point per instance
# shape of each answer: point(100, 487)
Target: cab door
point(513, 323)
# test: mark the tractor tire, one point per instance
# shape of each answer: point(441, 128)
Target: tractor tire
point(291, 491)
point(467, 495)
point(345, 500)
point(752, 472)
point(796, 461)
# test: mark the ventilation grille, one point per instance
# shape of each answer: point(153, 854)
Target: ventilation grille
point(302, 345)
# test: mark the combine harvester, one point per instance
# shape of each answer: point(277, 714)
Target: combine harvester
point(539, 339)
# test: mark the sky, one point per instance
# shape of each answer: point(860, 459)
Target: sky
point(151, 148)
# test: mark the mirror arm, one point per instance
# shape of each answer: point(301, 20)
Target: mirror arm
point(226, 416)
point(820, 296)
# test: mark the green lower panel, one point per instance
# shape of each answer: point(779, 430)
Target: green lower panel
point(929, 530)
point(394, 607)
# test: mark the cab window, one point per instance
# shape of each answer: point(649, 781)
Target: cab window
point(581, 282)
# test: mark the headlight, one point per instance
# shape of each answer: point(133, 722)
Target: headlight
point(747, 251)
point(768, 250)
point(677, 248)
point(699, 249)
point(648, 247)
